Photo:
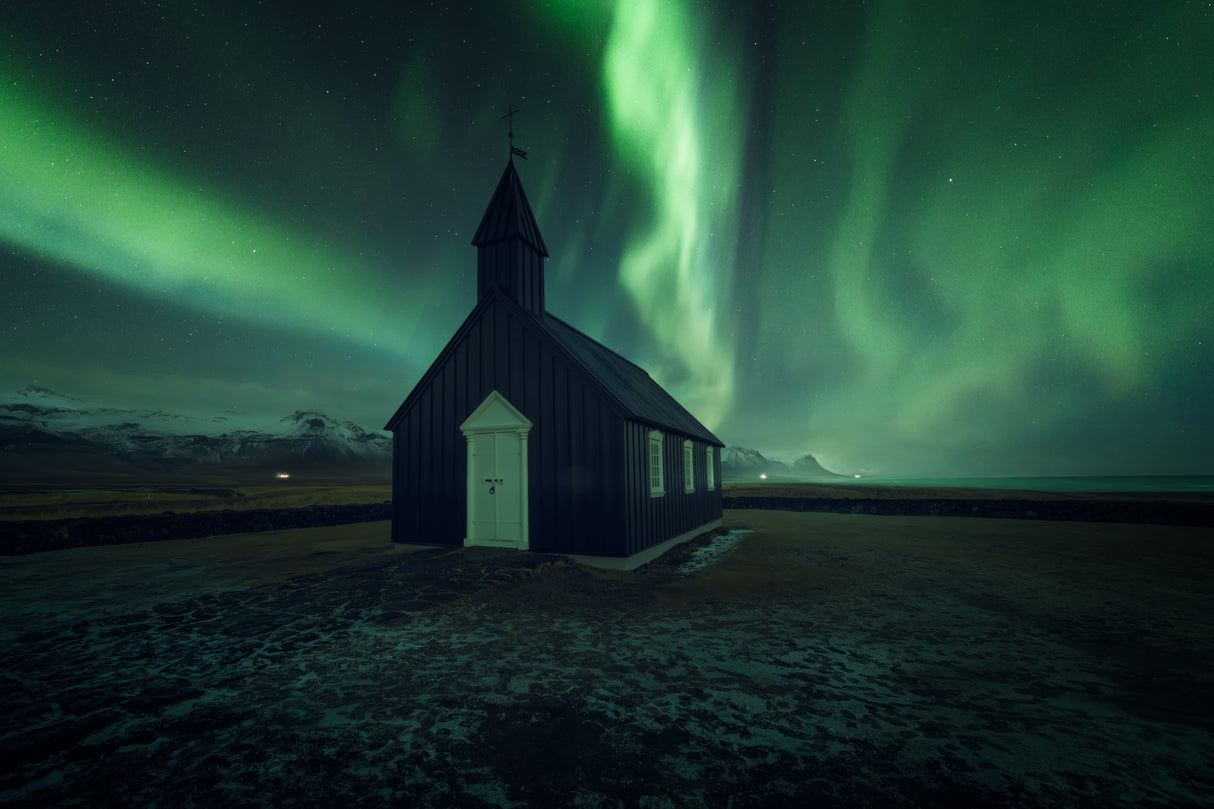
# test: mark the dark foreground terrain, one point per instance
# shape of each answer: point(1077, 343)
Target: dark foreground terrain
point(822, 660)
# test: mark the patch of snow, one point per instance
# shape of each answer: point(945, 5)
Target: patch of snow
point(712, 552)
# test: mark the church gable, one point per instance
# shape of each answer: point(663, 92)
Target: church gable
point(500, 346)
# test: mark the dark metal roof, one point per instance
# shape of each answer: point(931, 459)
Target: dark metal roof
point(642, 398)
point(509, 215)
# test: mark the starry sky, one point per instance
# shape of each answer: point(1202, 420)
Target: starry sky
point(912, 238)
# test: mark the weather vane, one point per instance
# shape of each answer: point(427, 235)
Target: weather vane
point(514, 150)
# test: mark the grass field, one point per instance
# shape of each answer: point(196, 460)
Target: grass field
point(58, 505)
point(68, 503)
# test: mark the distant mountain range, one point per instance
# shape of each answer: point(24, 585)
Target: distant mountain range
point(739, 463)
point(45, 435)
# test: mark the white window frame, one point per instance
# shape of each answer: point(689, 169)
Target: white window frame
point(689, 467)
point(655, 461)
point(710, 468)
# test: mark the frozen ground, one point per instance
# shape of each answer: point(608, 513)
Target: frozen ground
point(823, 660)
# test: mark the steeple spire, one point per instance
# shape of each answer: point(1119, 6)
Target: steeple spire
point(510, 250)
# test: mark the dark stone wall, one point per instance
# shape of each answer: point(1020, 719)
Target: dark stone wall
point(30, 536)
point(1151, 512)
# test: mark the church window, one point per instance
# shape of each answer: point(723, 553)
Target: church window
point(689, 468)
point(657, 481)
point(710, 468)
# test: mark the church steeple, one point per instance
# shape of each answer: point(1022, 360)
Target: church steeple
point(510, 251)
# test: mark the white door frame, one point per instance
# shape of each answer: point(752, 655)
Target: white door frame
point(497, 415)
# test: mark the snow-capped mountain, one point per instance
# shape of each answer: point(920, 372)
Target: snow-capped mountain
point(740, 463)
point(69, 413)
point(743, 462)
point(318, 437)
point(43, 433)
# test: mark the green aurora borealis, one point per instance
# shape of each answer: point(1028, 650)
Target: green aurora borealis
point(915, 239)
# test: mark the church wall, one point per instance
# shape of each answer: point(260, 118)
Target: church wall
point(652, 520)
point(575, 459)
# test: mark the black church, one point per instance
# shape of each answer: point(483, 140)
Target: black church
point(526, 433)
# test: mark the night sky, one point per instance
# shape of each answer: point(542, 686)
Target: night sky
point(911, 238)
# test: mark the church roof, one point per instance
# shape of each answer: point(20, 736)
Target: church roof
point(636, 391)
point(509, 214)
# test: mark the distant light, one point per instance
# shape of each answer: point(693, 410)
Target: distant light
point(285, 475)
point(857, 476)
point(762, 477)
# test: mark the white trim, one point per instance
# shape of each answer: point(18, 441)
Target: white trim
point(656, 439)
point(496, 416)
point(471, 442)
point(689, 467)
point(710, 467)
point(495, 413)
point(524, 486)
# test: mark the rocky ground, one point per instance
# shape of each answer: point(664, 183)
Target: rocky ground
point(822, 660)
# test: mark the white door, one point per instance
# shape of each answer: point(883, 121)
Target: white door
point(497, 474)
point(497, 513)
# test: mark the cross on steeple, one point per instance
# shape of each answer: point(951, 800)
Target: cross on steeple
point(514, 150)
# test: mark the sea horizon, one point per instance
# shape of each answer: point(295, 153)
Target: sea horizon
point(1080, 484)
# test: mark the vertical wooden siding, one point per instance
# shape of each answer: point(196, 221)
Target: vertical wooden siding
point(575, 466)
point(514, 267)
point(653, 520)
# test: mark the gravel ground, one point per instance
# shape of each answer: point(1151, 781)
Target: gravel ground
point(820, 660)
